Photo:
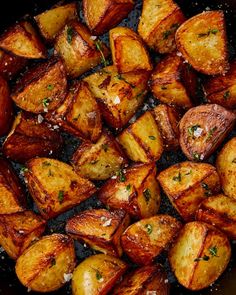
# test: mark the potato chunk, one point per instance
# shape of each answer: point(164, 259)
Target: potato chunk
point(202, 42)
point(100, 229)
point(134, 190)
point(44, 266)
point(144, 240)
point(55, 187)
point(187, 184)
point(6, 108)
point(19, 230)
point(97, 275)
point(199, 256)
point(202, 130)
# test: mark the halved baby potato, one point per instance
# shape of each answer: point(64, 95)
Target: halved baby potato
point(6, 107)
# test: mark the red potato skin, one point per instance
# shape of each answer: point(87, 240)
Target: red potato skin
point(6, 108)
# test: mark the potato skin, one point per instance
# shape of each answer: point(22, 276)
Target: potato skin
point(43, 265)
point(6, 107)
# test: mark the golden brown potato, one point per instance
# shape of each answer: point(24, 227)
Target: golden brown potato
point(199, 255)
point(78, 50)
point(99, 160)
point(79, 114)
point(22, 40)
point(6, 108)
point(202, 42)
point(119, 96)
point(51, 21)
point(187, 184)
point(202, 130)
point(134, 190)
point(158, 24)
point(219, 211)
point(128, 51)
point(142, 140)
point(55, 187)
point(226, 167)
point(101, 16)
point(30, 138)
point(19, 230)
point(144, 240)
point(100, 229)
point(42, 88)
point(97, 274)
point(46, 265)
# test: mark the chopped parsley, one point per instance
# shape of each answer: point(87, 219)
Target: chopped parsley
point(120, 77)
point(226, 95)
point(196, 156)
point(70, 32)
point(204, 258)
point(166, 34)
point(24, 169)
point(177, 178)
point(53, 262)
point(50, 87)
point(99, 46)
point(147, 194)
point(98, 275)
point(128, 187)
point(210, 133)
point(207, 191)
point(105, 147)
point(46, 102)
point(121, 176)
point(213, 251)
point(211, 31)
point(152, 137)
point(61, 196)
point(192, 129)
point(148, 228)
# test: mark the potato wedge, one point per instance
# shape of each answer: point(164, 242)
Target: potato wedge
point(134, 190)
point(128, 51)
point(42, 88)
point(100, 229)
point(146, 239)
point(199, 255)
point(226, 167)
point(6, 108)
point(187, 184)
point(119, 96)
point(203, 43)
point(101, 17)
point(19, 230)
point(142, 140)
point(202, 130)
point(158, 31)
point(44, 266)
point(97, 274)
point(55, 187)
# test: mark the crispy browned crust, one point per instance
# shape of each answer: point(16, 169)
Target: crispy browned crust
point(6, 108)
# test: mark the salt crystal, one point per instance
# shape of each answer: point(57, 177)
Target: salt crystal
point(67, 277)
point(40, 119)
point(116, 100)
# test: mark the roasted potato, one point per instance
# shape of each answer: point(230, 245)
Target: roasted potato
point(158, 24)
point(202, 42)
point(55, 187)
point(100, 229)
point(46, 265)
point(101, 17)
point(202, 130)
point(42, 88)
point(100, 160)
point(6, 108)
point(19, 230)
point(187, 184)
point(146, 239)
point(128, 51)
point(97, 274)
point(134, 190)
point(142, 140)
point(119, 96)
point(226, 167)
point(22, 40)
point(199, 255)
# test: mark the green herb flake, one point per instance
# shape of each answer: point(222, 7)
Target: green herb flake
point(61, 196)
point(204, 258)
point(211, 31)
point(121, 175)
point(210, 133)
point(196, 156)
point(99, 46)
point(46, 102)
point(189, 172)
point(166, 34)
point(147, 194)
point(213, 251)
point(206, 188)
point(152, 137)
point(50, 87)
point(70, 33)
point(98, 275)
point(226, 95)
point(148, 228)
point(122, 78)
point(128, 187)
point(175, 26)
point(24, 169)
point(105, 147)
point(46, 164)
point(53, 262)
point(192, 129)
point(177, 178)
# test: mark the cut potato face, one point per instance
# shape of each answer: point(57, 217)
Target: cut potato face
point(6, 107)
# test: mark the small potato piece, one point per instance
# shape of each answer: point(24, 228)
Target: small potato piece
point(30, 138)
point(144, 240)
point(128, 51)
point(55, 187)
point(119, 96)
point(101, 17)
point(199, 256)
point(174, 82)
point(134, 190)
point(142, 140)
point(226, 167)
point(100, 229)
point(158, 31)
point(78, 50)
point(202, 42)
point(19, 230)
point(6, 108)
point(202, 130)
point(187, 184)
point(219, 211)
point(51, 21)
point(100, 160)
point(42, 88)
point(44, 265)
point(97, 275)
point(22, 40)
